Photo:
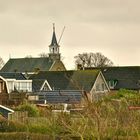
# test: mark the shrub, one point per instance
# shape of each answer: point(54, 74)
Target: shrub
point(30, 108)
point(3, 125)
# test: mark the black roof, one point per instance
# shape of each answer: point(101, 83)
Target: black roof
point(127, 77)
point(27, 64)
point(68, 80)
point(12, 75)
point(61, 96)
point(37, 84)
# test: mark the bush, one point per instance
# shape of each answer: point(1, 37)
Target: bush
point(30, 108)
point(10, 126)
point(3, 125)
point(16, 127)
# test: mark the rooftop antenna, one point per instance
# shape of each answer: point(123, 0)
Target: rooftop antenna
point(61, 35)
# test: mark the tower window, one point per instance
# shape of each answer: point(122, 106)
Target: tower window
point(52, 50)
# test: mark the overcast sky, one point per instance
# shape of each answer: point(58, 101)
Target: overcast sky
point(111, 27)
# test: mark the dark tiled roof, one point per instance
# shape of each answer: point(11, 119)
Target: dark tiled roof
point(61, 96)
point(12, 75)
point(127, 77)
point(37, 84)
point(27, 64)
point(68, 80)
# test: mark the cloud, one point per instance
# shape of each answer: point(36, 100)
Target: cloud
point(90, 25)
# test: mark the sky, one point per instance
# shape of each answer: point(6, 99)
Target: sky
point(111, 27)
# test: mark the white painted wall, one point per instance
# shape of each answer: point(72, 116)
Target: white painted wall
point(100, 87)
point(20, 85)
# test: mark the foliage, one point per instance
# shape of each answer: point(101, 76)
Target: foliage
point(92, 60)
point(30, 108)
point(10, 126)
point(132, 97)
point(3, 125)
point(43, 55)
point(105, 119)
point(28, 56)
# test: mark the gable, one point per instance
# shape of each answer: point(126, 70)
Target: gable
point(45, 86)
point(57, 66)
point(100, 84)
point(40, 84)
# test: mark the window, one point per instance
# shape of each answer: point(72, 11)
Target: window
point(103, 86)
point(111, 84)
point(53, 50)
point(45, 88)
point(24, 86)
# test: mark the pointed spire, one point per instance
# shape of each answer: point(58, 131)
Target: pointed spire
point(54, 40)
point(53, 27)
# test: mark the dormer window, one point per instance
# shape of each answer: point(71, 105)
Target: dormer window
point(112, 84)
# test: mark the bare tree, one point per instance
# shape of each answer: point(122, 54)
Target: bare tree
point(28, 56)
point(43, 54)
point(1, 63)
point(92, 60)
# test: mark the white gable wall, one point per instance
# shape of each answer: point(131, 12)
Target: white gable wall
point(100, 87)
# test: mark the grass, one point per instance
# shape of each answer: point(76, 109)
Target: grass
point(106, 119)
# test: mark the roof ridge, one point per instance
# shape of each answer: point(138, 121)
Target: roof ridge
point(30, 58)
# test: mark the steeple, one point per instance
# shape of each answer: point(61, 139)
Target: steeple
point(54, 47)
point(54, 40)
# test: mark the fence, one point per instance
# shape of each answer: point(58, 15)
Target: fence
point(18, 116)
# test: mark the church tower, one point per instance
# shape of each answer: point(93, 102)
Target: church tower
point(54, 47)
